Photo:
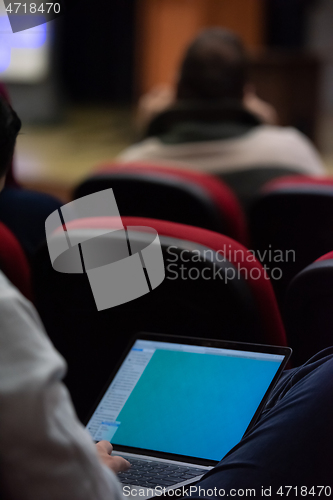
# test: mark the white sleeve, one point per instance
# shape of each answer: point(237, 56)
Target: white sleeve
point(46, 454)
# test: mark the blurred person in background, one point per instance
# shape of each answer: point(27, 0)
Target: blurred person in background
point(214, 121)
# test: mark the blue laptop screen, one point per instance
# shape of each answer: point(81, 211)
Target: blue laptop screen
point(183, 399)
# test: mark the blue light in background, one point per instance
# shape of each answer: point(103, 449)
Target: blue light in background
point(27, 39)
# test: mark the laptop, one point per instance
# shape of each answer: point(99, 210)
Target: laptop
point(177, 405)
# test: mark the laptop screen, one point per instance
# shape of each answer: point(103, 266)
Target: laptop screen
point(189, 400)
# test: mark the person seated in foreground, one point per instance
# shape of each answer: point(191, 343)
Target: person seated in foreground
point(46, 454)
point(214, 121)
point(22, 210)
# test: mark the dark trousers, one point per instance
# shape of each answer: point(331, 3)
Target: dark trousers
point(290, 446)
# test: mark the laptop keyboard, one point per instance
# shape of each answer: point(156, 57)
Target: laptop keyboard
point(150, 473)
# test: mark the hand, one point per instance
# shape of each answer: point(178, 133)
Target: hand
point(116, 464)
point(154, 102)
point(262, 109)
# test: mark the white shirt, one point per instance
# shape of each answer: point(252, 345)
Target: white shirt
point(263, 146)
point(46, 454)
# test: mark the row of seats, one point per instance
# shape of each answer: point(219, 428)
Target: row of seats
point(289, 220)
point(203, 295)
point(214, 286)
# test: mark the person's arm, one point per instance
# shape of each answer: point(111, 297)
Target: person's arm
point(45, 451)
point(262, 109)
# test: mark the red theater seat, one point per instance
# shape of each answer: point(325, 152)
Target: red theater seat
point(13, 262)
point(178, 195)
point(309, 309)
point(214, 288)
point(246, 183)
point(293, 216)
point(293, 181)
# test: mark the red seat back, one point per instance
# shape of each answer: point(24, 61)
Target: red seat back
point(175, 194)
point(293, 216)
point(297, 182)
point(308, 309)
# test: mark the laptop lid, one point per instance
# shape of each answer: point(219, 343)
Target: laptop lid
point(185, 399)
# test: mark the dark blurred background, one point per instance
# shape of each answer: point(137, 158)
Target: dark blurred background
point(78, 97)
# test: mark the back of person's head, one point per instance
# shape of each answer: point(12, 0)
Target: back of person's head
point(214, 67)
point(10, 125)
